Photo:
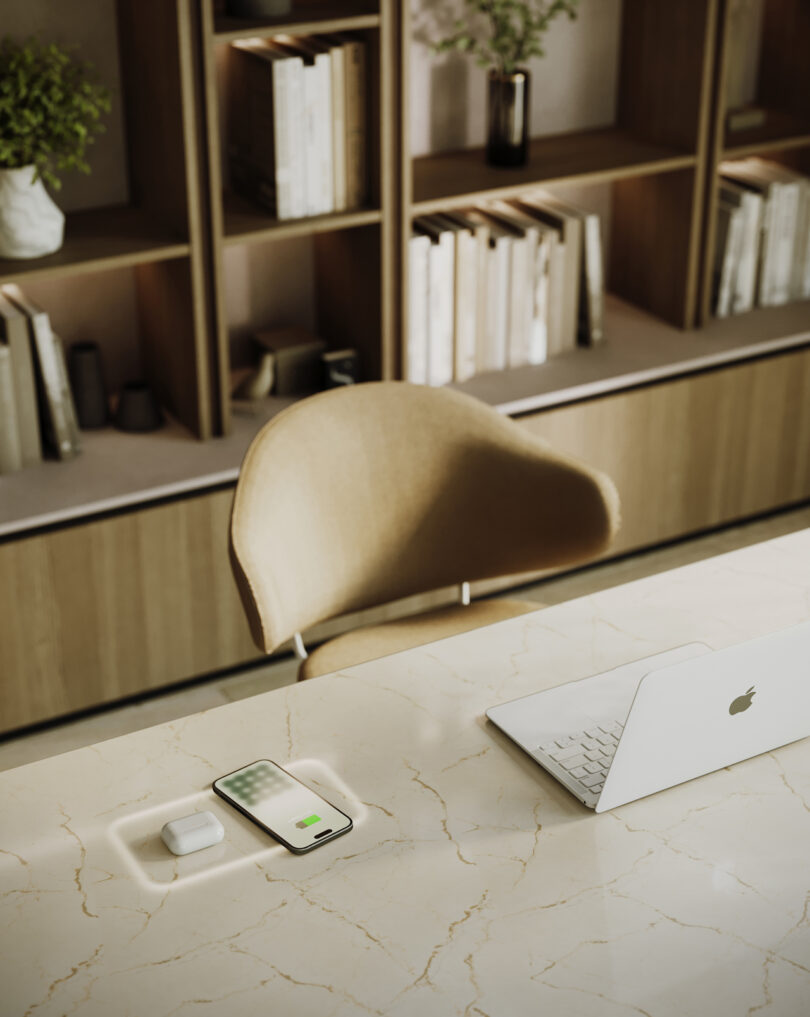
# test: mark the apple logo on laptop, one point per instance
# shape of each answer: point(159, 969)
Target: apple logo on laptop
point(742, 702)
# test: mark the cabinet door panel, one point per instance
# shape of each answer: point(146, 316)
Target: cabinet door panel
point(698, 452)
point(111, 608)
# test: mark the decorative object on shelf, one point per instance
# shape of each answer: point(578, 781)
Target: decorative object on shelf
point(340, 367)
point(50, 108)
point(86, 373)
point(508, 118)
point(138, 408)
point(502, 35)
point(258, 382)
point(296, 359)
point(257, 8)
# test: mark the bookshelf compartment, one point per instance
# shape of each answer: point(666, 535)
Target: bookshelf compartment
point(246, 219)
point(765, 75)
point(99, 239)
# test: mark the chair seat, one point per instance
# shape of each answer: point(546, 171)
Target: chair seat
point(375, 641)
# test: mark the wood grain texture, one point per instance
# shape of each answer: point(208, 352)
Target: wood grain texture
point(107, 609)
point(655, 244)
point(698, 452)
point(665, 62)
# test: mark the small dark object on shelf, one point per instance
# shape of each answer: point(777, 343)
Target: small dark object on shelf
point(86, 372)
point(508, 117)
point(138, 409)
point(340, 367)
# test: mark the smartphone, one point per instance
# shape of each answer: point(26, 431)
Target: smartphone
point(282, 806)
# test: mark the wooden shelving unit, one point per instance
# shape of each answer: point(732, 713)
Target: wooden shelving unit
point(783, 91)
point(647, 405)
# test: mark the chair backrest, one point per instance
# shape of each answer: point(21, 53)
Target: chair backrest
point(361, 495)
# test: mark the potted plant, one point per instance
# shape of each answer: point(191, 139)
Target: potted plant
point(503, 35)
point(50, 108)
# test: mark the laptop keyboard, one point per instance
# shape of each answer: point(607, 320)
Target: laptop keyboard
point(587, 755)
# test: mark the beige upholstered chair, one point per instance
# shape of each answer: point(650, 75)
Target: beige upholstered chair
point(362, 495)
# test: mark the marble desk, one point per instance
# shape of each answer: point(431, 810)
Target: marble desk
point(472, 883)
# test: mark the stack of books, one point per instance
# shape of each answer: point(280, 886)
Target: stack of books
point(36, 405)
point(762, 253)
point(504, 284)
point(297, 123)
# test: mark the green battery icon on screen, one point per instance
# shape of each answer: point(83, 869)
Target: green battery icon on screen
point(302, 824)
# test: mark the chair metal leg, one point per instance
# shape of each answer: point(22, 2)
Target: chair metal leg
point(464, 594)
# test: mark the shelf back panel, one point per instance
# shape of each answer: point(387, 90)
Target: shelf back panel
point(664, 70)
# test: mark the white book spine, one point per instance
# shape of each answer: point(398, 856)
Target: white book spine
point(338, 58)
point(52, 383)
point(297, 134)
point(520, 292)
point(767, 250)
point(465, 312)
point(498, 299)
point(538, 342)
point(556, 292)
point(312, 162)
point(729, 260)
point(593, 280)
point(416, 354)
point(10, 447)
point(324, 127)
point(745, 282)
point(441, 325)
point(282, 121)
point(805, 286)
point(798, 262)
point(787, 211)
point(482, 303)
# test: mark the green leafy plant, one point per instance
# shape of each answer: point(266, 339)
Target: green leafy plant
point(50, 108)
point(503, 34)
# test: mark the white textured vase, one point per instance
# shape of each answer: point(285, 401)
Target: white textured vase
point(30, 223)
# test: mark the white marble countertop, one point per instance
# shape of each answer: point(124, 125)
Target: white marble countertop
point(472, 883)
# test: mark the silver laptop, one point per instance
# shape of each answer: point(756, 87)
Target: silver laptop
point(664, 719)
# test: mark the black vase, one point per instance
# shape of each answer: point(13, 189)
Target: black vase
point(508, 117)
point(87, 384)
point(138, 408)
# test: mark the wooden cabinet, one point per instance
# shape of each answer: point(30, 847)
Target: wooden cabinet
point(114, 576)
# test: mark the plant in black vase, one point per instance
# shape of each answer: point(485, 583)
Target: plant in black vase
point(503, 35)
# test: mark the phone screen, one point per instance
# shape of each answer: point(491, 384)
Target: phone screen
point(282, 805)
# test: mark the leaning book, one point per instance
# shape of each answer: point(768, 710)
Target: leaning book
point(56, 402)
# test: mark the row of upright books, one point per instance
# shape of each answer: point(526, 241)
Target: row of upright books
point(297, 123)
point(37, 412)
point(503, 284)
point(762, 252)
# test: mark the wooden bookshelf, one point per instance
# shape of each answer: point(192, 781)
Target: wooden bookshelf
point(658, 384)
point(783, 91)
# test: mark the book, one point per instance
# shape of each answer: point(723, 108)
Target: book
point(465, 294)
point(494, 353)
point(55, 399)
point(441, 292)
point(355, 62)
point(10, 448)
point(726, 256)
point(415, 367)
point(745, 279)
point(780, 209)
point(318, 151)
point(547, 238)
point(520, 296)
point(266, 123)
point(568, 223)
point(337, 56)
point(14, 332)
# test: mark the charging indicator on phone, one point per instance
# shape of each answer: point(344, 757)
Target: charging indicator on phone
point(303, 823)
